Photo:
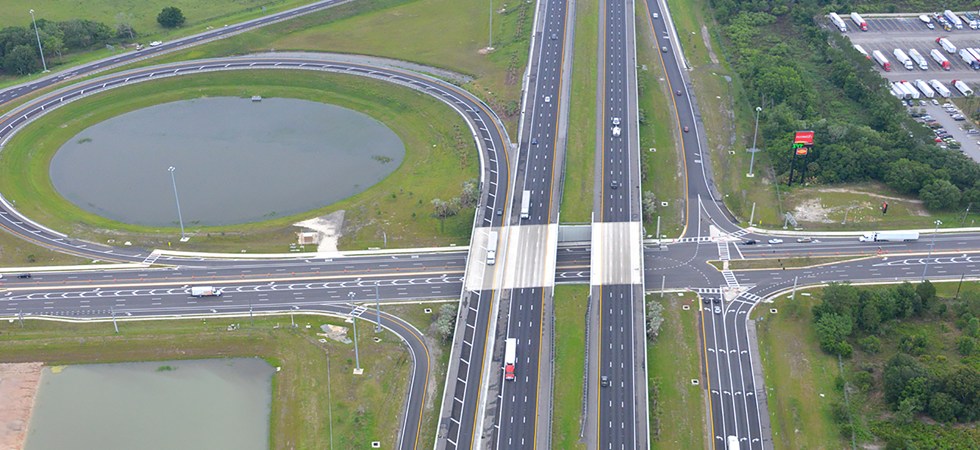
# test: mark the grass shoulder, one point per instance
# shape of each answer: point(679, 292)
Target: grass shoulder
point(364, 408)
point(438, 160)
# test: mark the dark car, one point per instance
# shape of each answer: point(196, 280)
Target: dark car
point(717, 300)
point(750, 242)
point(686, 129)
point(604, 380)
point(678, 92)
point(24, 275)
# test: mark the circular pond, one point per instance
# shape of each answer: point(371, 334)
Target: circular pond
point(236, 161)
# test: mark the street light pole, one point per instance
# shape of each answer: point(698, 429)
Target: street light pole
point(183, 238)
point(934, 233)
point(38, 35)
point(490, 44)
point(357, 358)
point(754, 150)
point(377, 298)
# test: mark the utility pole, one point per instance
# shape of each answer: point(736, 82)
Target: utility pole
point(754, 150)
point(490, 44)
point(793, 297)
point(114, 324)
point(38, 35)
point(357, 358)
point(250, 318)
point(938, 223)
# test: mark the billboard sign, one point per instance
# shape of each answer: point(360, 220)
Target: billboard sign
point(801, 150)
point(804, 137)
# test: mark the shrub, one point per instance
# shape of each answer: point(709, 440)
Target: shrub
point(170, 17)
point(966, 345)
point(870, 344)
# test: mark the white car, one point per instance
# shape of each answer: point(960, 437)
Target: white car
point(155, 43)
point(804, 240)
point(775, 241)
point(656, 16)
point(616, 131)
point(547, 99)
point(616, 121)
point(717, 309)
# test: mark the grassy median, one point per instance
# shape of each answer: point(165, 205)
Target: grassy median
point(676, 405)
point(364, 408)
point(570, 308)
point(579, 184)
point(660, 155)
point(439, 158)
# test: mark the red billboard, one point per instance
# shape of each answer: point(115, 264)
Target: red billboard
point(804, 137)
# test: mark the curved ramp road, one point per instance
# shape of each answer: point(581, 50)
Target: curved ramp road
point(12, 93)
point(487, 131)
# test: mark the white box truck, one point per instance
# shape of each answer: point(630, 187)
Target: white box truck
point(510, 358)
point(526, 205)
point(205, 291)
point(890, 236)
point(492, 248)
point(962, 87)
point(947, 45)
point(838, 22)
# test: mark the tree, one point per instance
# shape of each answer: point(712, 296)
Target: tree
point(940, 195)
point(944, 408)
point(655, 318)
point(963, 384)
point(832, 329)
point(907, 176)
point(170, 17)
point(870, 318)
point(927, 295)
point(966, 345)
point(446, 321)
point(22, 60)
point(870, 344)
point(972, 327)
point(899, 372)
point(124, 27)
point(907, 409)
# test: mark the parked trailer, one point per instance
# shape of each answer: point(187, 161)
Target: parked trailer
point(939, 58)
point(890, 236)
point(895, 94)
point(880, 57)
point(962, 87)
point(510, 358)
point(911, 89)
point(924, 88)
point(975, 53)
point(909, 92)
point(900, 91)
point(969, 59)
point(859, 21)
point(839, 22)
point(948, 46)
point(919, 59)
point(862, 51)
point(953, 19)
point(903, 59)
point(925, 19)
point(940, 88)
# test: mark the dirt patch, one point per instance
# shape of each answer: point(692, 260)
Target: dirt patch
point(18, 387)
point(812, 210)
point(870, 194)
point(707, 44)
point(329, 227)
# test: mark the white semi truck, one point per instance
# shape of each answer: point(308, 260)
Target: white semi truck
point(838, 22)
point(920, 60)
point(510, 358)
point(890, 236)
point(205, 291)
point(903, 59)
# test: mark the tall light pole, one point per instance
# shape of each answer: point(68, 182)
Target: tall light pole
point(934, 233)
point(490, 44)
point(377, 298)
point(754, 150)
point(357, 358)
point(38, 35)
point(183, 238)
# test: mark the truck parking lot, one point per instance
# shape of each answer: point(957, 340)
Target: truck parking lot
point(909, 32)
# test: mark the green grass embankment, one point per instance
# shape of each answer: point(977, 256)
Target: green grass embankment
point(438, 159)
point(306, 392)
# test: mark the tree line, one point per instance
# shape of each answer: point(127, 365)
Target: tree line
point(945, 392)
point(807, 77)
point(20, 55)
